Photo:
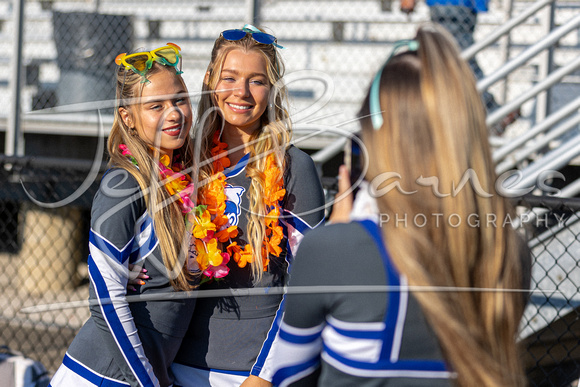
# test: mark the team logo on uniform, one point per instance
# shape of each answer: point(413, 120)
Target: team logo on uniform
point(234, 203)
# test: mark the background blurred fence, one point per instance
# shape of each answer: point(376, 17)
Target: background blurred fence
point(68, 48)
point(43, 254)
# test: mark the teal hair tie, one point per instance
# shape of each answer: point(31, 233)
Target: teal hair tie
point(374, 94)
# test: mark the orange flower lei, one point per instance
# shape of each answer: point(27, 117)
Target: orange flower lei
point(211, 222)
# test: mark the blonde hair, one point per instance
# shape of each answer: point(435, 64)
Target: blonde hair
point(167, 217)
point(434, 125)
point(273, 136)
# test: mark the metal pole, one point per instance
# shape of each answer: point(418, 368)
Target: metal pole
point(14, 140)
point(550, 59)
point(542, 68)
point(253, 12)
point(507, 47)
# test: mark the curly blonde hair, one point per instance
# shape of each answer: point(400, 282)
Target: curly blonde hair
point(273, 136)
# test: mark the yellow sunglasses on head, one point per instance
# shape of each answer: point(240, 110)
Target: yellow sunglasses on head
point(140, 62)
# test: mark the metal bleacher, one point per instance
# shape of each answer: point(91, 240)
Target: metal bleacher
point(337, 42)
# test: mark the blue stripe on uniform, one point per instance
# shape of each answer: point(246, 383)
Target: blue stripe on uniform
point(385, 364)
point(269, 339)
point(89, 374)
point(108, 248)
point(239, 167)
point(149, 245)
point(301, 226)
point(287, 372)
point(394, 298)
point(117, 329)
point(296, 222)
point(298, 339)
point(137, 251)
point(374, 335)
point(147, 221)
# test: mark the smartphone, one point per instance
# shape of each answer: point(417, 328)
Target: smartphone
point(354, 161)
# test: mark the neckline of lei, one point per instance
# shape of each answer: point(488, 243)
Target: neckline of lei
point(209, 220)
point(211, 224)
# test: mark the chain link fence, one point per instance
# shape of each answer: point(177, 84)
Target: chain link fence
point(551, 326)
point(43, 253)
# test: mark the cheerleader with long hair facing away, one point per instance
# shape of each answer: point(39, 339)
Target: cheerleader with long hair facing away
point(454, 291)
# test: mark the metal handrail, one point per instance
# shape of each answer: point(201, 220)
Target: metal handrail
point(336, 147)
point(513, 160)
point(329, 151)
point(551, 120)
point(550, 203)
point(550, 81)
point(570, 190)
point(553, 37)
point(550, 39)
point(550, 232)
point(473, 50)
point(553, 160)
point(14, 140)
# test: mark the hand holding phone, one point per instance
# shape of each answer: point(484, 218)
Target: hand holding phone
point(342, 200)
